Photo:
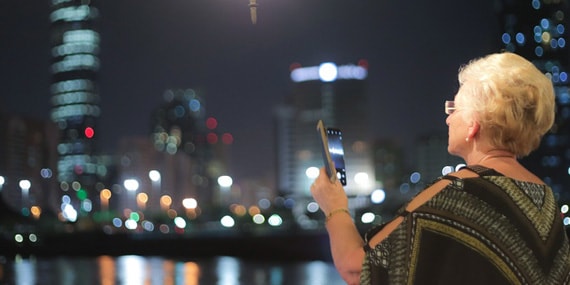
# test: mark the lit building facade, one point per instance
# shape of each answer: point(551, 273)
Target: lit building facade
point(26, 162)
point(184, 134)
point(337, 95)
point(538, 31)
point(75, 96)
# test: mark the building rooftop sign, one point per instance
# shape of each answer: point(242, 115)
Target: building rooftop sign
point(329, 72)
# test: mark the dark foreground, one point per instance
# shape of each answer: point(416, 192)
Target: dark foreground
point(295, 246)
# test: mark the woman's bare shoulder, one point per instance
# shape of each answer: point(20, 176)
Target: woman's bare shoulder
point(436, 187)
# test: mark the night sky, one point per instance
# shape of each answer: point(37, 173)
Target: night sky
point(413, 48)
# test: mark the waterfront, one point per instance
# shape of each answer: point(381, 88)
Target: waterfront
point(154, 270)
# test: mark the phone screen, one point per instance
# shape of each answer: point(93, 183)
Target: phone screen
point(336, 151)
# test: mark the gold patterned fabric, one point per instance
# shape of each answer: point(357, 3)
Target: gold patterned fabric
point(483, 230)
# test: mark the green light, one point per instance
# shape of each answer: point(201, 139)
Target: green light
point(135, 216)
point(81, 194)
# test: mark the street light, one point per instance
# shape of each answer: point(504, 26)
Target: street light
point(132, 185)
point(105, 195)
point(142, 199)
point(190, 204)
point(156, 179)
point(25, 186)
point(225, 182)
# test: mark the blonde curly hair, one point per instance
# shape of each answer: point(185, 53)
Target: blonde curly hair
point(512, 100)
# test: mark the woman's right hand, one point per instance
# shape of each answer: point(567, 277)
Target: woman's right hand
point(330, 196)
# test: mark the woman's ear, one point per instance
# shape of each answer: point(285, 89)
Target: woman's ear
point(473, 130)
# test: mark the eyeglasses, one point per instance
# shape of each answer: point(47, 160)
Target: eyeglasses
point(449, 107)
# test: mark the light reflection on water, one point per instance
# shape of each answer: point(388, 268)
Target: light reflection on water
point(150, 270)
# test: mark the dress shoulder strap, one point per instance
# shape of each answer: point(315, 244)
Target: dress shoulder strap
point(481, 170)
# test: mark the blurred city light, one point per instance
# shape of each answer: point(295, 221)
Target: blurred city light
point(264, 203)
point(117, 222)
point(368, 218)
point(447, 169)
point(154, 175)
point(312, 172)
point(190, 203)
point(378, 196)
point(415, 177)
point(165, 202)
point(69, 213)
point(130, 224)
point(25, 184)
point(227, 221)
point(131, 184)
point(275, 220)
point(362, 179)
point(225, 181)
point(312, 207)
point(328, 72)
point(180, 222)
point(258, 219)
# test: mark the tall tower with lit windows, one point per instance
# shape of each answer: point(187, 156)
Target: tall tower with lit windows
point(337, 95)
point(75, 98)
point(537, 30)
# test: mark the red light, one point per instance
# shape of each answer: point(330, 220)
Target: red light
point(78, 169)
point(363, 63)
point(212, 138)
point(227, 138)
point(89, 132)
point(294, 66)
point(211, 123)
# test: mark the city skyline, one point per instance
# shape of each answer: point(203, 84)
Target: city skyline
point(151, 47)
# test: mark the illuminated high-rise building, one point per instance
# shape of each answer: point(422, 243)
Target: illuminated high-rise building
point(182, 132)
point(75, 97)
point(537, 30)
point(27, 158)
point(337, 95)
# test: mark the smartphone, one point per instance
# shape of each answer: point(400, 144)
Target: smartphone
point(333, 152)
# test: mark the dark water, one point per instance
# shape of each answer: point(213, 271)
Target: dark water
point(151, 270)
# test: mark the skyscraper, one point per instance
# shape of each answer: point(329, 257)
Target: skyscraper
point(75, 97)
point(183, 133)
point(537, 30)
point(337, 95)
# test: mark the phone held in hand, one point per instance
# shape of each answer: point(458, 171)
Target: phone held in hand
point(333, 152)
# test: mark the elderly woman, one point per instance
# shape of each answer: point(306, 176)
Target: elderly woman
point(491, 222)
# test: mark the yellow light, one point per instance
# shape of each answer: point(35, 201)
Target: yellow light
point(165, 201)
point(254, 210)
point(36, 211)
point(142, 197)
point(105, 194)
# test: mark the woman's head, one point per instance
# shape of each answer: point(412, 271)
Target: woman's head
point(510, 98)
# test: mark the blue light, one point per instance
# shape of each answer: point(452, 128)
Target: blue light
point(560, 29)
point(194, 105)
point(415, 177)
point(544, 23)
point(536, 4)
point(563, 76)
point(506, 38)
point(538, 51)
point(520, 38)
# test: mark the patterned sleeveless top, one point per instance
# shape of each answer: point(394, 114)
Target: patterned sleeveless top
point(489, 229)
